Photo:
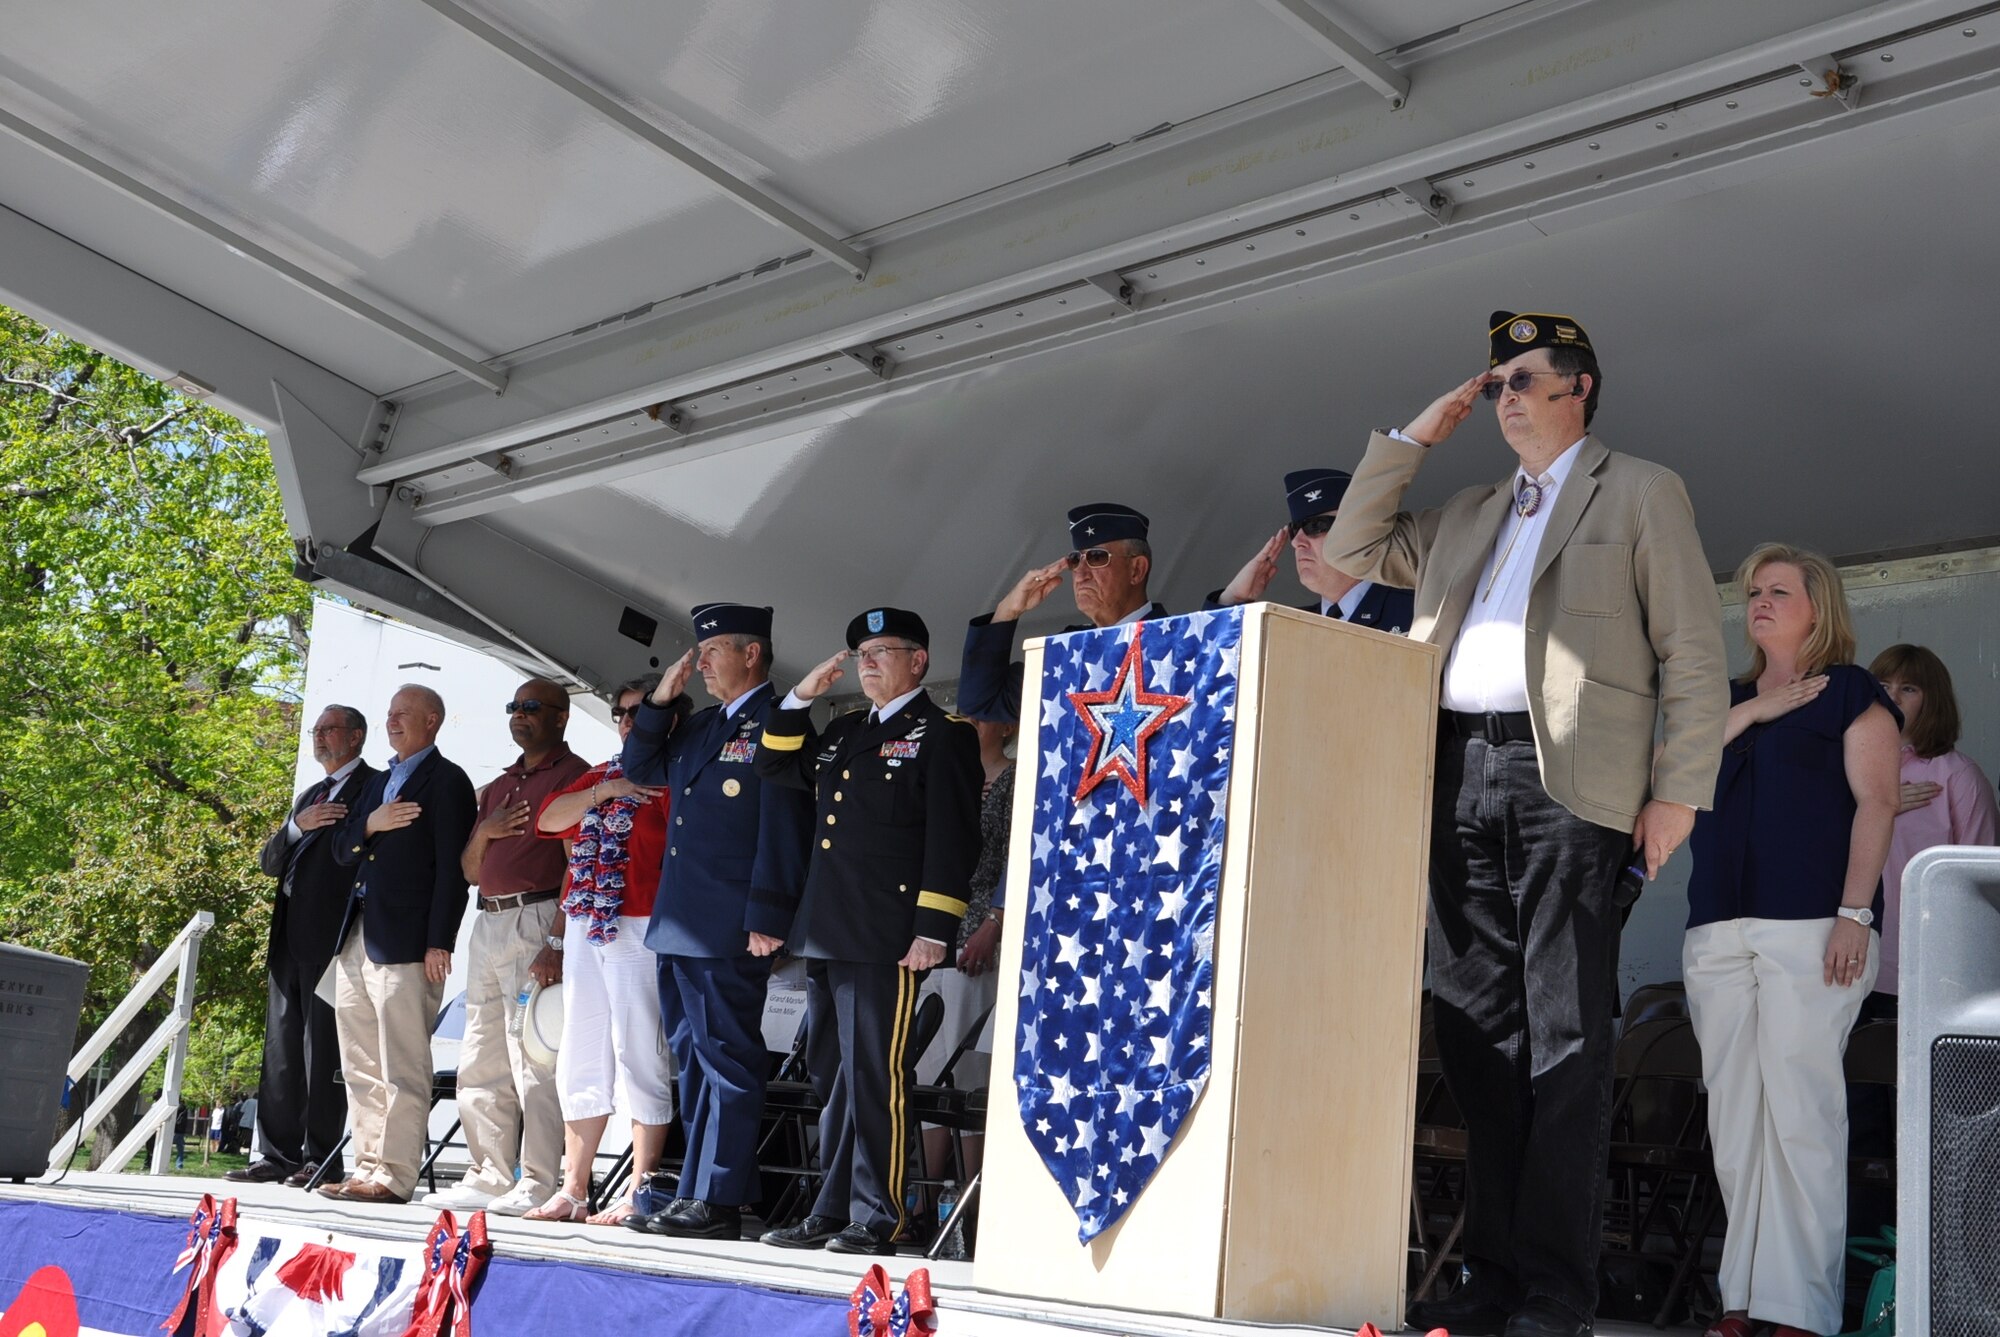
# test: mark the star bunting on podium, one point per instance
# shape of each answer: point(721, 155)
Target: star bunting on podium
point(1118, 965)
point(1120, 721)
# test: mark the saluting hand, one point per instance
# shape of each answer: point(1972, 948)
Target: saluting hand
point(821, 680)
point(1446, 412)
point(392, 816)
point(1258, 572)
point(675, 680)
point(1030, 590)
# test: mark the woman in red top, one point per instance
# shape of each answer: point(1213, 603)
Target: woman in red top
point(613, 1053)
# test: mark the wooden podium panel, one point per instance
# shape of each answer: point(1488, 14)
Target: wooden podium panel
point(1285, 1196)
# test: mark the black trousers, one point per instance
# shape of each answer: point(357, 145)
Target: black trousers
point(1524, 964)
point(301, 1109)
point(858, 1018)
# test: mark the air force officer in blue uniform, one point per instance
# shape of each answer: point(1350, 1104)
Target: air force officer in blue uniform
point(1313, 498)
point(734, 868)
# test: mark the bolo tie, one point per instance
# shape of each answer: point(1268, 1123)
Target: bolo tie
point(1528, 496)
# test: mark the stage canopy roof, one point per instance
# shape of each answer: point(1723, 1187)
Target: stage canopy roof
point(563, 314)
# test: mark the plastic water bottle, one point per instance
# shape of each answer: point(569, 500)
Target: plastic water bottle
point(520, 1017)
point(954, 1242)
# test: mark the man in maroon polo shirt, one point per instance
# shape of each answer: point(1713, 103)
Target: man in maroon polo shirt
point(507, 1102)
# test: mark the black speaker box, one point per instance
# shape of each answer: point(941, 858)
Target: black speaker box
point(41, 997)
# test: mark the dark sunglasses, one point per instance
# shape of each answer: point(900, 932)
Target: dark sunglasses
point(1518, 382)
point(526, 707)
point(1092, 557)
point(1314, 528)
point(620, 712)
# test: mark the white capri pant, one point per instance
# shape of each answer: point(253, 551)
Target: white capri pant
point(1773, 1035)
point(614, 1050)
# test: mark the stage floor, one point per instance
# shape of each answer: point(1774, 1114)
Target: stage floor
point(964, 1310)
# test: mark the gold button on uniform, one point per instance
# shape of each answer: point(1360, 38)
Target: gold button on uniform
point(826, 844)
point(836, 796)
point(846, 775)
point(829, 819)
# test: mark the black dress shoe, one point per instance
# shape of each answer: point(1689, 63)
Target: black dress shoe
point(703, 1221)
point(266, 1171)
point(654, 1223)
point(811, 1233)
point(1472, 1310)
point(859, 1239)
point(1546, 1318)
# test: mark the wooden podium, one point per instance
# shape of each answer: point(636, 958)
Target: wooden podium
point(1286, 1196)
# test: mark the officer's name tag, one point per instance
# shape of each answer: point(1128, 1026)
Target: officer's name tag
point(739, 749)
point(903, 747)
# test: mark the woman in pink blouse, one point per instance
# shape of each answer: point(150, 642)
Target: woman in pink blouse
point(1946, 799)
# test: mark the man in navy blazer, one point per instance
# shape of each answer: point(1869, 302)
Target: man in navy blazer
point(403, 837)
point(734, 869)
point(1313, 497)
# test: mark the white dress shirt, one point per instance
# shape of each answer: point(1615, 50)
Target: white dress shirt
point(293, 835)
point(1488, 667)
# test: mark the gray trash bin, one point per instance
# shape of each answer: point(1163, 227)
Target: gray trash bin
point(41, 998)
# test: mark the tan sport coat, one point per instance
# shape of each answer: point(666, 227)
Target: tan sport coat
point(1624, 622)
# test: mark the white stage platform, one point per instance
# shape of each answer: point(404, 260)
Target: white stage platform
point(963, 1309)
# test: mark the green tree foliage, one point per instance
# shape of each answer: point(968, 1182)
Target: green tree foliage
point(151, 633)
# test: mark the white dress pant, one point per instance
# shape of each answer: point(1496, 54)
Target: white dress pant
point(614, 1049)
point(1772, 1037)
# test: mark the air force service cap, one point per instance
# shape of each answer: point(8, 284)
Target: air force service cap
point(1101, 521)
point(898, 622)
point(1310, 492)
point(724, 619)
point(1512, 333)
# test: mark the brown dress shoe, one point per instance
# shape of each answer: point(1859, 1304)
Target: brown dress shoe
point(302, 1176)
point(370, 1191)
point(266, 1171)
point(333, 1190)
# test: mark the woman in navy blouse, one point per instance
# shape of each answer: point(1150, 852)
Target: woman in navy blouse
point(1781, 947)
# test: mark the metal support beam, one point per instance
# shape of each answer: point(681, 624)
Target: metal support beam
point(462, 358)
point(1317, 19)
point(760, 202)
point(1114, 285)
point(1320, 147)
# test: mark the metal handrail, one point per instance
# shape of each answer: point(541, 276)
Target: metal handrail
point(170, 1037)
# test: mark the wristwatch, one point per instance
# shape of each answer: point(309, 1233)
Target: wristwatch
point(555, 941)
point(1864, 916)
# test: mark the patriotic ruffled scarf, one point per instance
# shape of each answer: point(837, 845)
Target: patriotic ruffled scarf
point(597, 860)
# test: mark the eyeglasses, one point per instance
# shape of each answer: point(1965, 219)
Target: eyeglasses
point(1091, 557)
point(620, 712)
point(528, 707)
point(876, 654)
point(1314, 528)
point(320, 729)
point(1518, 382)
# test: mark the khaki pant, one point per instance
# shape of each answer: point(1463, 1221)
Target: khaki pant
point(508, 1104)
point(1773, 1035)
point(384, 1016)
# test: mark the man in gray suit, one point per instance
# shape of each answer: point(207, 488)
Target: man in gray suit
point(1578, 611)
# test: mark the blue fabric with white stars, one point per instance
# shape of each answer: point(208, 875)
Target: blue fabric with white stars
point(1112, 1050)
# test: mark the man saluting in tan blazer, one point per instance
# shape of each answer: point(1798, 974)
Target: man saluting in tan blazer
point(1577, 610)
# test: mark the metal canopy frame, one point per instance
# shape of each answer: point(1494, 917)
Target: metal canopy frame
point(466, 360)
point(771, 356)
point(1319, 21)
point(600, 100)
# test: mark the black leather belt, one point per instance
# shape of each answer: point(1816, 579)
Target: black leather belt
point(495, 904)
point(1513, 726)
